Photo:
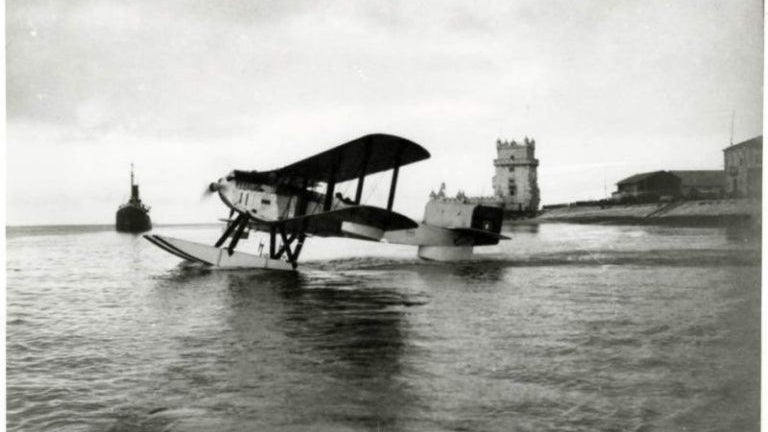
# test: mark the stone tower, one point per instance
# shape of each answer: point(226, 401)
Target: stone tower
point(515, 180)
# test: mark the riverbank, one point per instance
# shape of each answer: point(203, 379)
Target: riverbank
point(700, 212)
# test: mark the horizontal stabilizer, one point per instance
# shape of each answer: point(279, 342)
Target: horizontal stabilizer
point(480, 237)
point(329, 223)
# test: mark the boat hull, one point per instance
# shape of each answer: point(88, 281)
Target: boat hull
point(132, 220)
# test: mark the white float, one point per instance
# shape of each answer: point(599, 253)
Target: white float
point(213, 256)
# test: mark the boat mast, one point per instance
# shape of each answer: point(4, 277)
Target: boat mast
point(134, 189)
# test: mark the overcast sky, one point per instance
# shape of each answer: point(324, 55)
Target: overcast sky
point(189, 90)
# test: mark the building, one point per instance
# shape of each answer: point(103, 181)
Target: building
point(650, 186)
point(744, 168)
point(657, 185)
point(701, 183)
point(515, 182)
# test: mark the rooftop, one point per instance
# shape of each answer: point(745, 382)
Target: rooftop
point(753, 142)
point(639, 177)
point(701, 177)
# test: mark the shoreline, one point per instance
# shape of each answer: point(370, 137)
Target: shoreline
point(719, 212)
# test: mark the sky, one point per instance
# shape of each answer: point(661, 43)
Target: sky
point(189, 90)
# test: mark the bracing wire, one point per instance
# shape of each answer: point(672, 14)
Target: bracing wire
point(371, 190)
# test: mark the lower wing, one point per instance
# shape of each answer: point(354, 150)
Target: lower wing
point(329, 224)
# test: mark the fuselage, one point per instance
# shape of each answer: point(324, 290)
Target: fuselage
point(273, 201)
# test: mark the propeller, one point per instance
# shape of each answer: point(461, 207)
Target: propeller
point(210, 190)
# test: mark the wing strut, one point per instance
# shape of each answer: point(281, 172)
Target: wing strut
point(329, 189)
point(301, 202)
point(393, 185)
point(361, 179)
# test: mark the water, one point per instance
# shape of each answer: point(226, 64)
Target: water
point(564, 328)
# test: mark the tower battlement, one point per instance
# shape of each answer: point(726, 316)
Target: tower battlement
point(515, 181)
point(505, 144)
point(515, 153)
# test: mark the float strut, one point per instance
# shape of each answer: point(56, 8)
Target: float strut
point(287, 246)
point(299, 245)
point(230, 228)
point(236, 237)
point(272, 235)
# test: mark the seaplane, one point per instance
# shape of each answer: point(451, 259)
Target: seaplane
point(298, 201)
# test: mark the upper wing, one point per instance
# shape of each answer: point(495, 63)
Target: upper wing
point(329, 223)
point(366, 155)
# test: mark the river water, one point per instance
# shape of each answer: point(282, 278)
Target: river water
point(563, 328)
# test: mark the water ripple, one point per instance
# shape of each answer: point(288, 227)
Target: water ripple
point(567, 328)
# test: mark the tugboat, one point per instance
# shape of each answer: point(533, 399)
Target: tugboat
point(133, 216)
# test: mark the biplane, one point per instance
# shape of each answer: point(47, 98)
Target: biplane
point(298, 200)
